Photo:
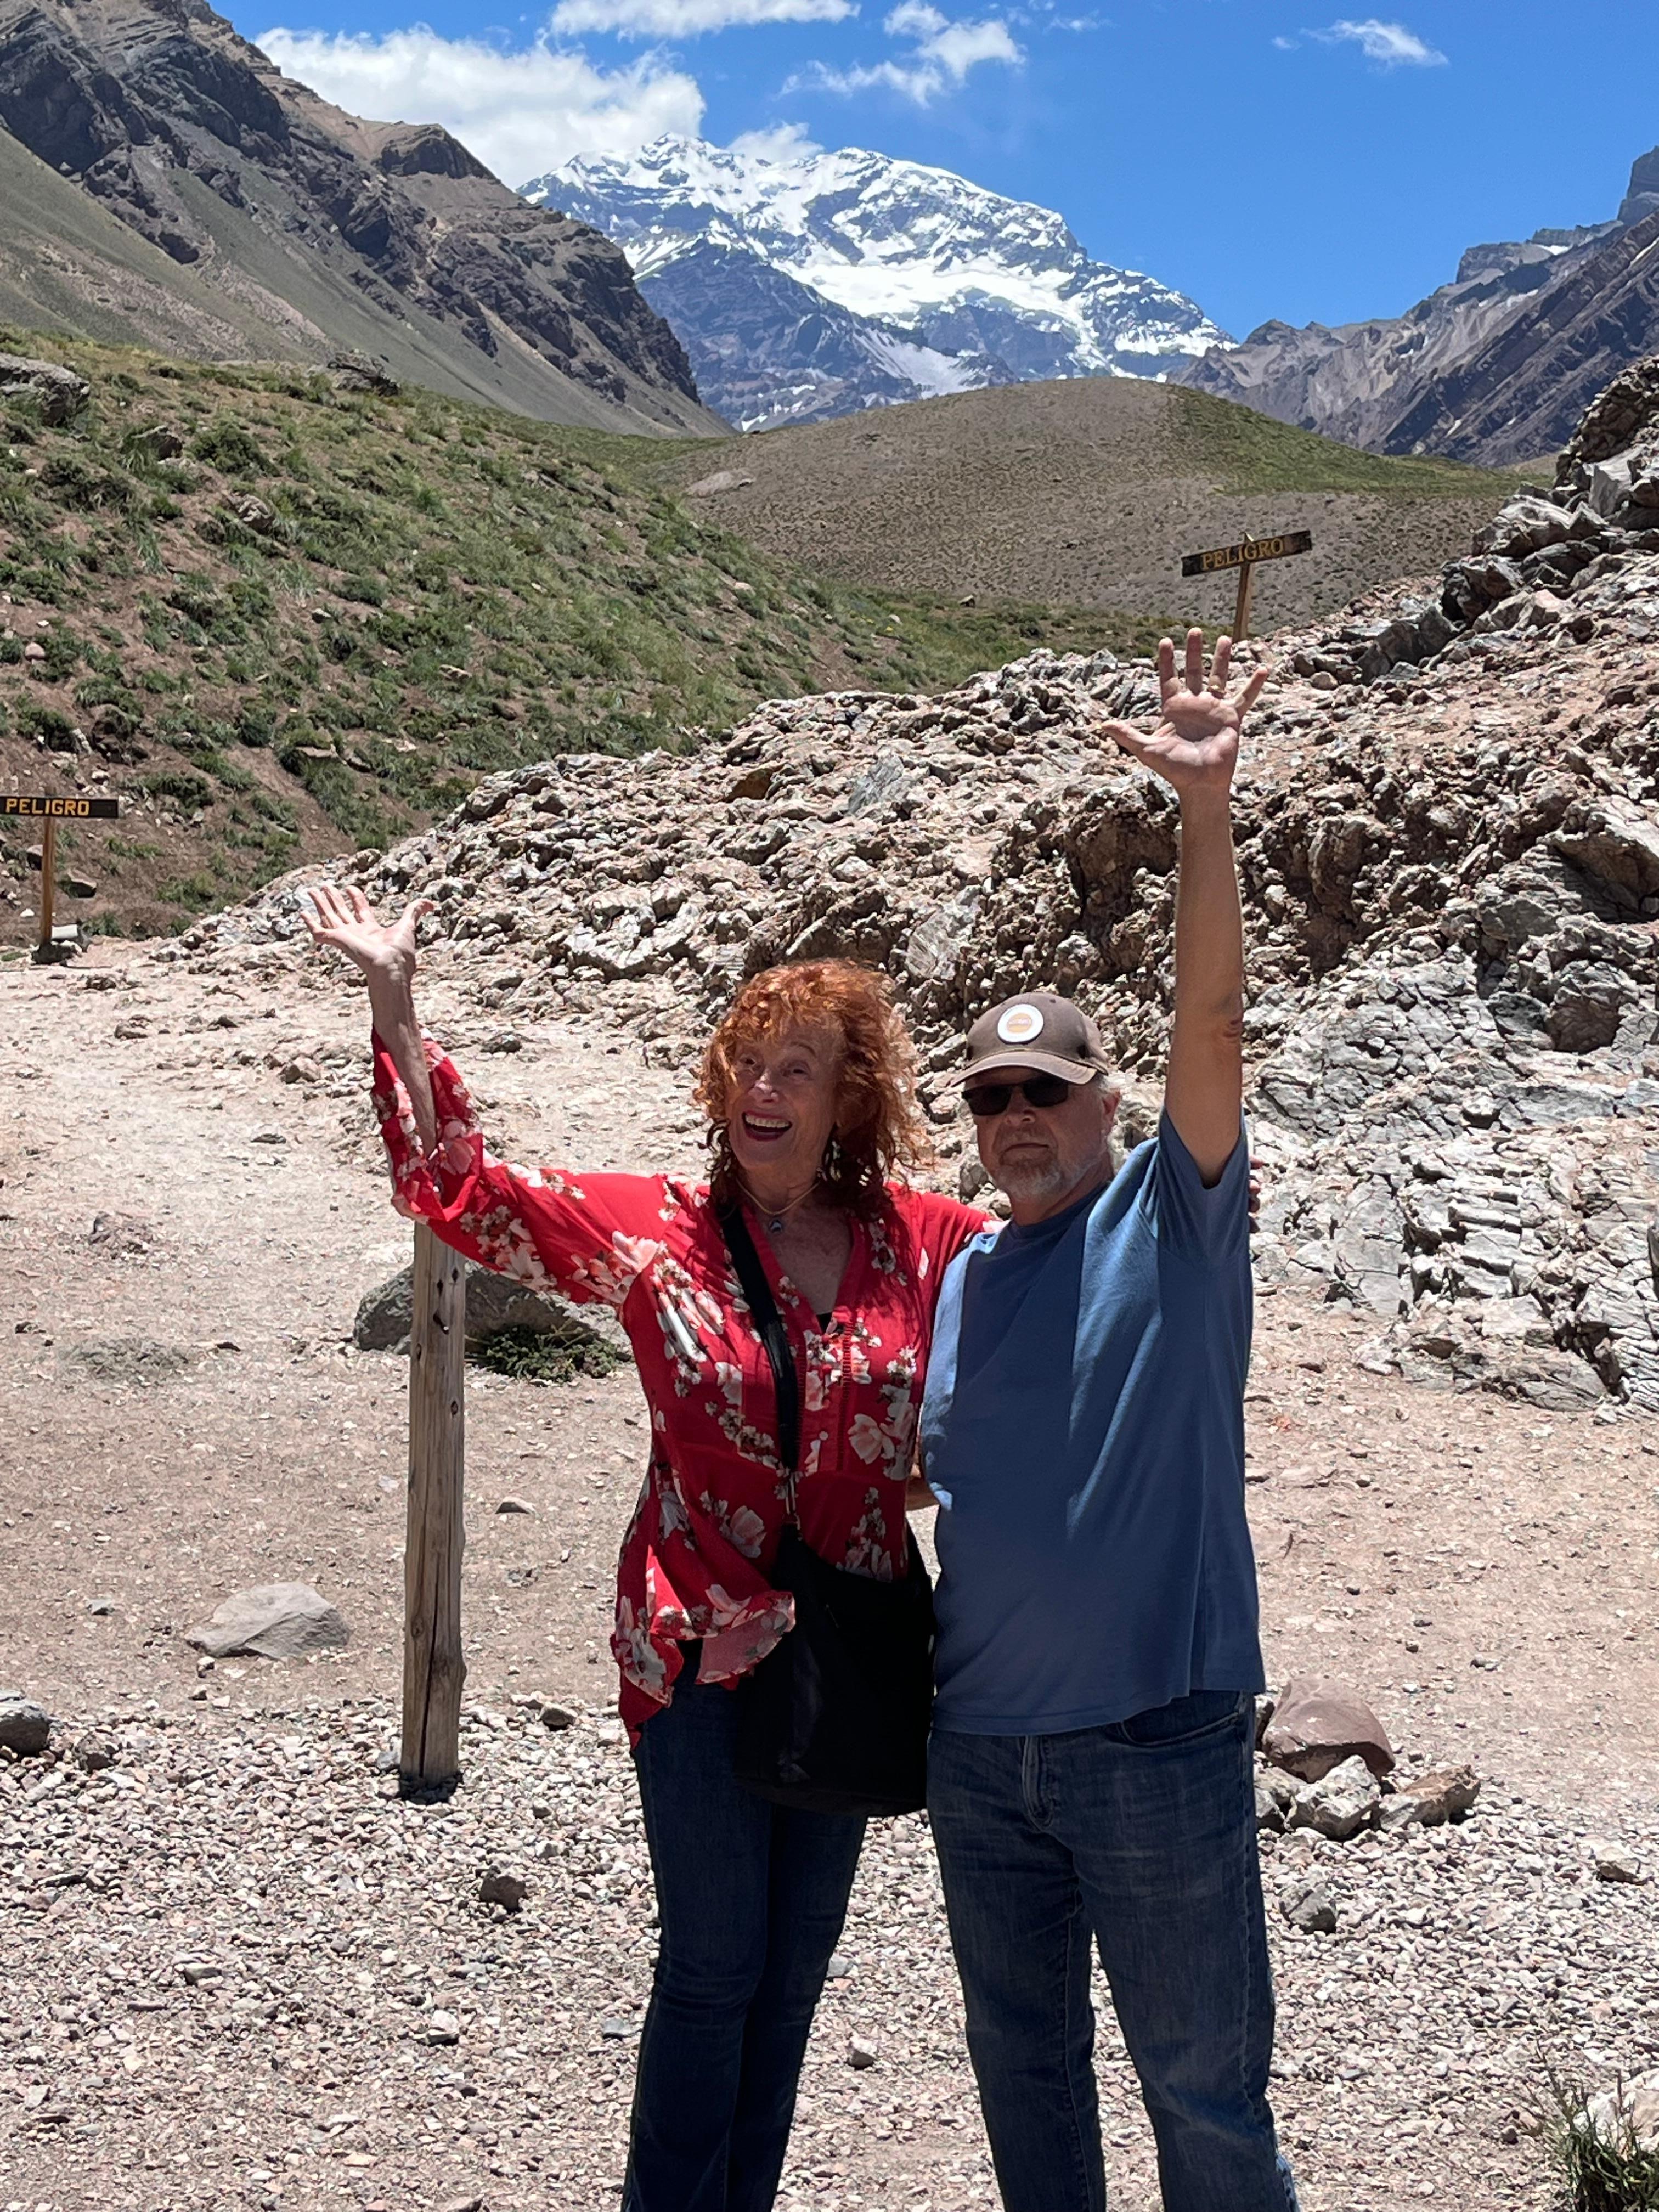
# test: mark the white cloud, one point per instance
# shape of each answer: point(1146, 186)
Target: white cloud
point(943, 54)
point(1287, 45)
point(785, 143)
point(522, 112)
point(688, 19)
point(1391, 44)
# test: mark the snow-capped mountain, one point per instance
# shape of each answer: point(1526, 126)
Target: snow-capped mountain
point(817, 286)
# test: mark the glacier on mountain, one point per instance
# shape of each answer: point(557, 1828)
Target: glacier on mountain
point(900, 281)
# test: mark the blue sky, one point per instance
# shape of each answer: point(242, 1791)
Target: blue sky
point(1269, 159)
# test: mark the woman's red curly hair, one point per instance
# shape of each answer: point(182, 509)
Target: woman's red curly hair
point(879, 1123)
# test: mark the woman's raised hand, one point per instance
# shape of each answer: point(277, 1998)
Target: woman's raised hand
point(344, 920)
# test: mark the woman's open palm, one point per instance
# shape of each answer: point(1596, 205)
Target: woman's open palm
point(1195, 745)
point(344, 920)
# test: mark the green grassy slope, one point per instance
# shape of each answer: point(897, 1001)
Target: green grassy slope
point(324, 616)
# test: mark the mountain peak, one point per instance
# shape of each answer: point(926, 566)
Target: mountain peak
point(932, 282)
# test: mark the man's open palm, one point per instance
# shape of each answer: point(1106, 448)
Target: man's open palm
point(1195, 745)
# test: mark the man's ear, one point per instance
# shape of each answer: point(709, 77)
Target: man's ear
point(1111, 1100)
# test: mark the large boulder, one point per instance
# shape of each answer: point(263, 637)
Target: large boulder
point(494, 1303)
point(1616, 842)
point(59, 393)
point(25, 1727)
point(275, 1621)
point(1526, 526)
point(1319, 1723)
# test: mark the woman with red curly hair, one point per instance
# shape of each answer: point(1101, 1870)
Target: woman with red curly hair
point(809, 1087)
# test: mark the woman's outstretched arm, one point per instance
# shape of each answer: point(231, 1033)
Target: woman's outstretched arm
point(386, 955)
point(588, 1238)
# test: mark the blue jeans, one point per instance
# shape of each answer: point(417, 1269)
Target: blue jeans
point(1143, 1835)
point(752, 1899)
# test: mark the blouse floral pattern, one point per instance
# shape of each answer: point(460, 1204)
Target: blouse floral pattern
point(694, 1560)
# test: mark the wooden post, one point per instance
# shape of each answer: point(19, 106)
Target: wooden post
point(434, 1667)
point(1242, 606)
point(48, 883)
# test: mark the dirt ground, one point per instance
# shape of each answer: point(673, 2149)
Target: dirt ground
point(184, 1414)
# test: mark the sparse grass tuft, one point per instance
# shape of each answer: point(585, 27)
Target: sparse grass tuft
point(534, 1355)
point(1602, 2164)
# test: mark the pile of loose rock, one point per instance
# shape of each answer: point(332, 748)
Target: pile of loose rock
point(1324, 1764)
point(1449, 851)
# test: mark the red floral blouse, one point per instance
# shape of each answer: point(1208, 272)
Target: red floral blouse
point(694, 1562)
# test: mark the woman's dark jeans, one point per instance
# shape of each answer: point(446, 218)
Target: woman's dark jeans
point(752, 1899)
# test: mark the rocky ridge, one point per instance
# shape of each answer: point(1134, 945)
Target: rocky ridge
point(1450, 848)
point(301, 228)
point(1493, 368)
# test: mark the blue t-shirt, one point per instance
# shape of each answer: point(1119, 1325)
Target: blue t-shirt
point(1084, 1428)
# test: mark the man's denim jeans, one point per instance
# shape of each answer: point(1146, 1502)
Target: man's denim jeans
point(1142, 1834)
point(752, 1899)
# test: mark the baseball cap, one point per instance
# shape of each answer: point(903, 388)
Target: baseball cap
point(1037, 1029)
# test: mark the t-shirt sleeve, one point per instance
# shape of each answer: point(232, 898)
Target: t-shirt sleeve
point(940, 1228)
point(1208, 1225)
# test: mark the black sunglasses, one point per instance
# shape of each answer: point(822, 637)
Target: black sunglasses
point(987, 1100)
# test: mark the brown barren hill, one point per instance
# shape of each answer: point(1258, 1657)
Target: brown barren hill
point(1086, 492)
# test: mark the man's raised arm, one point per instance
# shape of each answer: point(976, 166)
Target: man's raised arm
point(1194, 748)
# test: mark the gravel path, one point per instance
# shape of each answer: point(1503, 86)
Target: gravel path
point(238, 1970)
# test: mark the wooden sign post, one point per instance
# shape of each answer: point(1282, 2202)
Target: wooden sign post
point(434, 1667)
point(1244, 556)
point(34, 806)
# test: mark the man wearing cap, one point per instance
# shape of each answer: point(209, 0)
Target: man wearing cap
point(1098, 1657)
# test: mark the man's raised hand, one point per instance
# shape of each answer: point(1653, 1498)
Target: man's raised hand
point(1195, 745)
point(344, 920)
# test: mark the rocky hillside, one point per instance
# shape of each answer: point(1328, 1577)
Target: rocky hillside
point(808, 289)
point(1495, 367)
point(1449, 830)
point(253, 218)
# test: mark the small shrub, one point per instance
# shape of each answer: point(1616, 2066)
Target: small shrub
point(255, 725)
point(534, 1355)
point(226, 445)
point(53, 727)
point(196, 894)
point(62, 655)
point(179, 784)
point(79, 482)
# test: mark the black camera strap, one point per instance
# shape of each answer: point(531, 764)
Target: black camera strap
point(769, 1323)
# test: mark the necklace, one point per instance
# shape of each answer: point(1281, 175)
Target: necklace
point(774, 1216)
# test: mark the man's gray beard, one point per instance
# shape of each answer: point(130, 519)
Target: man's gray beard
point(1034, 1182)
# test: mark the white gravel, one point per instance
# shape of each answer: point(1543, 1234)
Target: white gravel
point(232, 1965)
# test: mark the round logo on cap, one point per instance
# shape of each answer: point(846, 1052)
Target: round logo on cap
point(1020, 1024)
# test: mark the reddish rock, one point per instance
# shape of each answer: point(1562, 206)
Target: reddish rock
point(1445, 1793)
point(1318, 1722)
